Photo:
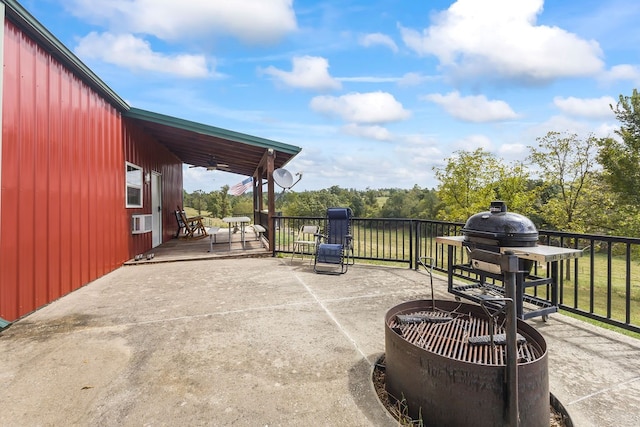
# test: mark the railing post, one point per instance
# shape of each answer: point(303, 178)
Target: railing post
point(418, 245)
point(411, 249)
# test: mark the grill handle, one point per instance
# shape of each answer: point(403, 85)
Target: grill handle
point(481, 233)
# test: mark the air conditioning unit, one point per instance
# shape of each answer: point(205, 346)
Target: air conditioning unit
point(141, 224)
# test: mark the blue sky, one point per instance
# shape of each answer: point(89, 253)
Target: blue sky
point(376, 92)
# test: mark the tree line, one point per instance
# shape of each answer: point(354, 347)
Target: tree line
point(582, 185)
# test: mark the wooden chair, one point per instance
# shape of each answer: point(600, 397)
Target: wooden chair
point(191, 226)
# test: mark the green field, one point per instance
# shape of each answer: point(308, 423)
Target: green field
point(605, 282)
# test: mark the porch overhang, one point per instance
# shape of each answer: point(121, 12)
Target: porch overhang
point(196, 143)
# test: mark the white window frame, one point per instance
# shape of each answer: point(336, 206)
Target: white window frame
point(133, 183)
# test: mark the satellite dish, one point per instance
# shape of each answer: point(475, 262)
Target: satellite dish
point(284, 179)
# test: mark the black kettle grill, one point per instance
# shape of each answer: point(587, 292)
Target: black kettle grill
point(489, 231)
point(499, 228)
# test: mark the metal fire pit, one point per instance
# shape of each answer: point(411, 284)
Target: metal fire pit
point(447, 379)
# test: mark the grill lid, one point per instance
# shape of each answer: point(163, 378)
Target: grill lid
point(501, 228)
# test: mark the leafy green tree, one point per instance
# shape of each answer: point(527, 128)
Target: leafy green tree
point(398, 205)
point(243, 205)
point(213, 204)
point(186, 199)
point(621, 158)
point(356, 203)
point(566, 163)
point(371, 205)
point(429, 205)
point(198, 201)
point(604, 215)
point(415, 203)
point(224, 208)
point(466, 183)
point(310, 203)
point(515, 187)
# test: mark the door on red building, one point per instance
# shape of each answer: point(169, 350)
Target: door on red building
point(156, 208)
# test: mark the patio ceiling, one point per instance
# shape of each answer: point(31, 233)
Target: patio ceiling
point(196, 144)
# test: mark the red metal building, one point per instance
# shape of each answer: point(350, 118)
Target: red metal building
point(78, 165)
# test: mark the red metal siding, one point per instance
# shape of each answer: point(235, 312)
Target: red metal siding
point(9, 201)
point(144, 151)
point(63, 221)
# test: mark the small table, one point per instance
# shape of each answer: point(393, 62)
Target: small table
point(242, 220)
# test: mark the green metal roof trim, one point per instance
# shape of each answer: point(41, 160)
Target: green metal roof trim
point(136, 113)
point(23, 19)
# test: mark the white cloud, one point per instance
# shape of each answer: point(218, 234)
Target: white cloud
point(512, 152)
point(369, 108)
point(595, 108)
point(420, 153)
point(473, 142)
point(252, 21)
point(607, 130)
point(368, 79)
point(562, 124)
point(198, 178)
point(370, 132)
point(128, 51)
point(378, 39)
point(622, 72)
point(472, 108)
point(309, 72)
point(413, 79)
point(500, 39)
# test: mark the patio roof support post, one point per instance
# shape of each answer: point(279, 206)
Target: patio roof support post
point(257, 195)
point(271, 199)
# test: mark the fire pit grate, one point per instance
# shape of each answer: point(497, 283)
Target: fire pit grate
point(449, 337)
point(447, 380)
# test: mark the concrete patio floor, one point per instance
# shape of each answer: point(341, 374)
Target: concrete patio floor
point(256, 342)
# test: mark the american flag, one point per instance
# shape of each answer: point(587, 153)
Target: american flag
point(241, 187)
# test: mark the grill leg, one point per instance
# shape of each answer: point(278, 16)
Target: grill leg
point(510, 282)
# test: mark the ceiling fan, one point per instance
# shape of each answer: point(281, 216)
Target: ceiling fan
point(212, 164)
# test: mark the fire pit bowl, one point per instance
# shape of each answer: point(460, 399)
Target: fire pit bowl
point(437, 363)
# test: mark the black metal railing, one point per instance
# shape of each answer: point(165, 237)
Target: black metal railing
point(604, 284)
point(374, 239)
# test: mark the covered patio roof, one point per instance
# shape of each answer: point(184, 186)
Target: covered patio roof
point(198, 144)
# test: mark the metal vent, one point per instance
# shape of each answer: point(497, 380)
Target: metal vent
point(141, 224)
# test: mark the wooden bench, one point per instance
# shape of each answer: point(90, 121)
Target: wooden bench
point(259, 230)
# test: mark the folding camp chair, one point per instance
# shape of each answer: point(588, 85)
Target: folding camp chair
point(191, 226)
point(305, 241)
point(335, 245)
